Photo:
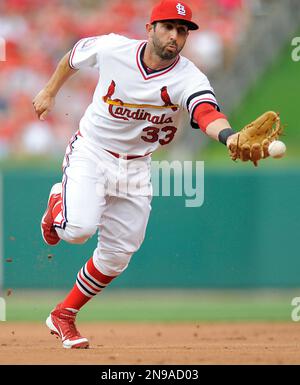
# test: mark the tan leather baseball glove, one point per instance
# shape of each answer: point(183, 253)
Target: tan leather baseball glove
point(253, 140)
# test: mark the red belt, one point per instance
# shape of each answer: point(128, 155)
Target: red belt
point(127, 157)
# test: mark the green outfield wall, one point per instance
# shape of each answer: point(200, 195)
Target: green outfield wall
point(245, 235)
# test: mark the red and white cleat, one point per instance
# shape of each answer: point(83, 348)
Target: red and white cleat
point(48, 231)
point(61, 323)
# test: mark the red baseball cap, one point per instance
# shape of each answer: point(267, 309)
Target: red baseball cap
point(173, 10)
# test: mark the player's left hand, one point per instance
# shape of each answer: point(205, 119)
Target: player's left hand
point(43, 103)
point(252, 142)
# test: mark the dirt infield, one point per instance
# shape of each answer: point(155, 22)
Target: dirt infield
point(144, 343)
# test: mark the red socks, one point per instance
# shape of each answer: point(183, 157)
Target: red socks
point(90, 281)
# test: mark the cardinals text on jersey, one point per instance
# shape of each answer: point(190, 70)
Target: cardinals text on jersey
point(134, 111)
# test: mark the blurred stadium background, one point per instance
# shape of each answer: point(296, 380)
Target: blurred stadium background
point(234, 258)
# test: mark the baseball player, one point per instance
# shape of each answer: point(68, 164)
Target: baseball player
point(144, 87)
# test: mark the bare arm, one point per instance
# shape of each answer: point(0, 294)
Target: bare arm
point(45, 99)
point(213, 130)
point(212, 122)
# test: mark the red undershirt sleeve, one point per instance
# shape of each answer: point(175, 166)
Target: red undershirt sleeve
point(206, 113)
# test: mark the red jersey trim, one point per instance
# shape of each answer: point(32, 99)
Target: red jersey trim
point(157, 74)
point(71, 57)
point(202, 100)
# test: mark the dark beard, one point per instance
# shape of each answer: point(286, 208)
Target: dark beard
point(161, 52)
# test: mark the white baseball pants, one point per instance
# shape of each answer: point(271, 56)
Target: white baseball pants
point(105, 193)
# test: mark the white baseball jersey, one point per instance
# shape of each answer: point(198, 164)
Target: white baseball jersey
point(135, 111)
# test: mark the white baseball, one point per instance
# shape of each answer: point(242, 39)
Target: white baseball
point(277, 149)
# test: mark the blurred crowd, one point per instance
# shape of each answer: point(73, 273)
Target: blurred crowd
point(37, 33)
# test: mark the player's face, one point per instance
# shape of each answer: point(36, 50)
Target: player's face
point(168, 39)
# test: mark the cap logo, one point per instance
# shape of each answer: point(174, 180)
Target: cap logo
point(181, 9)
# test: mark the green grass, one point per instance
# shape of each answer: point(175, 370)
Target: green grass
point(156, 306)
point(31, 162)
point(277, 90)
